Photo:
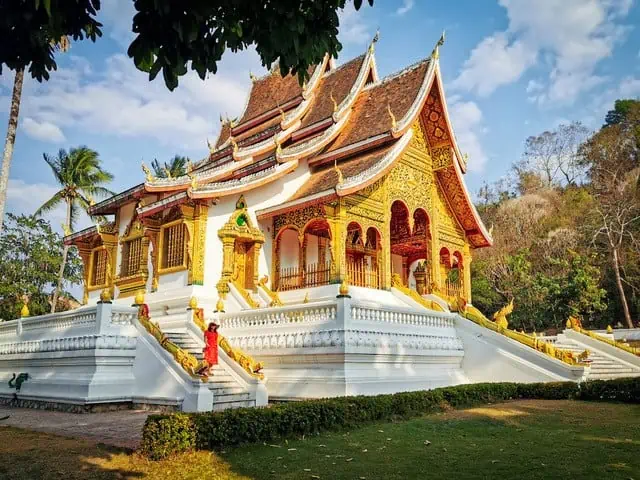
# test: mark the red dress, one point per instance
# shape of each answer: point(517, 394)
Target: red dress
point(211, 347)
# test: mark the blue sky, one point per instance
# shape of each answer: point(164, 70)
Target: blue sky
point(512, 68)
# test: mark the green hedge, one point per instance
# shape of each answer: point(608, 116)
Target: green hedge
point(164, 435)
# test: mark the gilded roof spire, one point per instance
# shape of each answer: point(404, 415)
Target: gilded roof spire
point(252, 76)
point(394, 124)
point(376, 37)
point(435, 54)
point(211, 147)
point(338, 171)
point(147, 173)
point(234, 143)
point(335, 104)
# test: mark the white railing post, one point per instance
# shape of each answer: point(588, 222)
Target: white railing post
point(103, 317)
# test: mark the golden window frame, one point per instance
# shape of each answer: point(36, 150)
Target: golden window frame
point(91, 286)
point(161, 244)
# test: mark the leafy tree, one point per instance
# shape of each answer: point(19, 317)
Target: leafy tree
point(621, 110)
point(613, 158)
point(80, 177)
point(32, 255)
point(176, 167)
point(173, 36)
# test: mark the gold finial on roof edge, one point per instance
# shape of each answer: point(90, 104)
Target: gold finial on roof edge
point(338, 171)
point(435, 54)
point(394, 124)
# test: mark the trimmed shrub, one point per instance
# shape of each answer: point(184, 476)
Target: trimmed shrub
point(618, 390)
point(164, 435)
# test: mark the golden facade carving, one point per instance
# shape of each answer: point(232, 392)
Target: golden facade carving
point(297, 218)
point(134, 251)
point(241, 244)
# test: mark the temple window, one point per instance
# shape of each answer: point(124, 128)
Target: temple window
point(131, 257)
point(98, 264)
point(173, 247)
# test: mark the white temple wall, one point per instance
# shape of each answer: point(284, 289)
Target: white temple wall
point(312, 249)
point(269, 195)
point(289, 249)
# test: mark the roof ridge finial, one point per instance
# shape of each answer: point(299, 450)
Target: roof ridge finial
point(338, 171)
point(252, 76)
point(394, 124)
point(211, 147)
point(335, 104)
point(435, 54)
point(375, 39)
point(233, 143)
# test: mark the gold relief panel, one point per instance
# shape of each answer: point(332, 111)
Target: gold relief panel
point(297, 218)
point(442, 157)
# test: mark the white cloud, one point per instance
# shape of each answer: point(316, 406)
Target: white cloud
point(353, 28)
point(494, 62)
point(468, 123)
point(119, 101)
point(575, 35)
point(405, 7)
point(45, 131)
point(117, 17)
point(25, 198)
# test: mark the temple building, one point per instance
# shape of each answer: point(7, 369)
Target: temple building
point(329, 234)
point(349, 177)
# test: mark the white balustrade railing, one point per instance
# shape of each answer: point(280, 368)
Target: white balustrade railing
point(98, 326)
point(319, 312)
point(401, 316)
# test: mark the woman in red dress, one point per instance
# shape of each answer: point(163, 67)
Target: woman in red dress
point(211, 346)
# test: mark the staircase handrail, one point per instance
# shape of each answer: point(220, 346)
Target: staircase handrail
point(396, 282)
point(247, 362)
point(245, 295)
point(187, 361)
point(275, 298)
point(575, 324)
point(472, 313)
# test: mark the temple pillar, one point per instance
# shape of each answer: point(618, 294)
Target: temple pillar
point(338, 225)
point(466, 273)
point(151, 231)
point(435, 253)
point(302, 257)
point(228, 245)
point(199, 222)
point(85, 254)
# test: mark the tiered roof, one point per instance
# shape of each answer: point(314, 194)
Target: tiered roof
point(344, 116)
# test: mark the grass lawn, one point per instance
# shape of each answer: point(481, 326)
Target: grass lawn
point(524, 439)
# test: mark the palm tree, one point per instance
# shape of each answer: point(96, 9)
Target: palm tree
point(11, 139)
point(62, 45)
point(176, 167)
point(80, 176)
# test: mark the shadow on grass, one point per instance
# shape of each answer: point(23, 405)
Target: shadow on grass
point(29, 455)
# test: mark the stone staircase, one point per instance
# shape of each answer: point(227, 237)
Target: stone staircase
point(603, 366)
point(227, 391)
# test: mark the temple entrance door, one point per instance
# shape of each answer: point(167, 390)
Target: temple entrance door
point(244, 264)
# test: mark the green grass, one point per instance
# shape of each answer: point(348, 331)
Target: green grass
point(522, 439)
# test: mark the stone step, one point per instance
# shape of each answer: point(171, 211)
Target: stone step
point(611, 376)
point(219, 390)
point(218, 406)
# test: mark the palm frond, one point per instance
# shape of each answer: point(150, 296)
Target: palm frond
point(50, 204)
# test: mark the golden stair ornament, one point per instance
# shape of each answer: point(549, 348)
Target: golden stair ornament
point(105, 296)
point(500, 317)
point(139, 298)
